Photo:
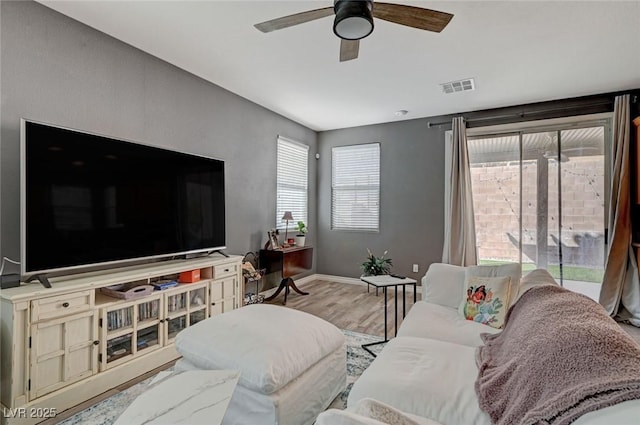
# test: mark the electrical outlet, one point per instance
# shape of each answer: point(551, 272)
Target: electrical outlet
point(415, 268)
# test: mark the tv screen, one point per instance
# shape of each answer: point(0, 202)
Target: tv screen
point(90, 199)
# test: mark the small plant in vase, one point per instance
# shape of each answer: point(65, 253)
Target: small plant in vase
point(375, 266)
point(302, 233)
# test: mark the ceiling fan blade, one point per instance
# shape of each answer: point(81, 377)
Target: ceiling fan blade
point(416, 17)
point(295, 19)
point(349, 49)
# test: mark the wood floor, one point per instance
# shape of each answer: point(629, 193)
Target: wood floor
point(349, 306)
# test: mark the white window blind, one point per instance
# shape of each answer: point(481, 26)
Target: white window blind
point(355, 187)
point(292, 181)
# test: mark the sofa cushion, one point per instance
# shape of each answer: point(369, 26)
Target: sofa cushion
point(487, 300)
point(268, 358)
point(443, 285)
point(427, 320)
point(424, 377)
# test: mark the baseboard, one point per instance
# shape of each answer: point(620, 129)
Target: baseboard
point(331, 278)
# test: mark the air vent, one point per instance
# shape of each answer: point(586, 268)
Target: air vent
point(456, 86)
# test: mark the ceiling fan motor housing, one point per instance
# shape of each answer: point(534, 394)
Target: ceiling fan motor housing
point(354, 19)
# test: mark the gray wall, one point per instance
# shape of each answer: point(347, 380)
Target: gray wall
point(411, 199)
point(57, 70)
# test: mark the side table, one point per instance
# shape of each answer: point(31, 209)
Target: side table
point(385, 281)
point(289, 262)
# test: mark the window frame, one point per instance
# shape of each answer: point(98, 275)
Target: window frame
point(281, 163)
point(367, 187)
point(559, 125)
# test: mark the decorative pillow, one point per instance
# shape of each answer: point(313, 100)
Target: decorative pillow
point(486, 300)
point(513, 270)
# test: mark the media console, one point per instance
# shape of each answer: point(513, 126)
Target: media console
point(63, 345)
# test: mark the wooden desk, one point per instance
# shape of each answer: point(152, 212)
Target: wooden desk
point(289, 262)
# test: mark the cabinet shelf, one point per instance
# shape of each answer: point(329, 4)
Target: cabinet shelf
point(198, 308)
point(116, 357)
point(119, 332)
point(177, 313)
point(147, 323)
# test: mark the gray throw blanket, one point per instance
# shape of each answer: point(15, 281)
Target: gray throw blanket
point(559, 357)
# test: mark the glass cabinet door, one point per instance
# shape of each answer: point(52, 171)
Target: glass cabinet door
point(148, 326)
point(185, 306)
point(129, 329)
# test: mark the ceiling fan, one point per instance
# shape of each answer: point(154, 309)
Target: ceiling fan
point(354, 21)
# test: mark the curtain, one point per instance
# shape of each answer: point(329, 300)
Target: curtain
point(459, 225)
point(620, 292)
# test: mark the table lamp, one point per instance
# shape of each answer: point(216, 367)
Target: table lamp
point(286, 217)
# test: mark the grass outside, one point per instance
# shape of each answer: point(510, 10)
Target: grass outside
point(582, 274)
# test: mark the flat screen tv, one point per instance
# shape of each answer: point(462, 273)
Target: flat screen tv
point(90, 200)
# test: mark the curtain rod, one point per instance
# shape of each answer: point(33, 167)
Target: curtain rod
point(523, 114)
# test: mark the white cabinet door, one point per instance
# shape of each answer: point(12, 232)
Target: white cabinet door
point(224, 295)
point(63, 351)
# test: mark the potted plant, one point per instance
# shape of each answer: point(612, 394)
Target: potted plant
point(374, 266)
point(302, 233)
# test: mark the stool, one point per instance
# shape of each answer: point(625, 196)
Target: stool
point(288, 373)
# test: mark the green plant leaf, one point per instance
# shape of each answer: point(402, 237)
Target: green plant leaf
point(374, 266)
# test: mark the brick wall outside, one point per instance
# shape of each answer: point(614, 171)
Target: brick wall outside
point(496, 205)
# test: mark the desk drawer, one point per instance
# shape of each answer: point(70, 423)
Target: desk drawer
point(224, 270)
point(61, 305)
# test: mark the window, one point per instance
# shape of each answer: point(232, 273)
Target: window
point(539, 199)
point(355, 187)
point(292, 181)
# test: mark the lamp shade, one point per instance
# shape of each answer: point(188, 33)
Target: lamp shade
point(287, 216)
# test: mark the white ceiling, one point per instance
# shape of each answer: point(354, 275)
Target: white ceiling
point(518, 52)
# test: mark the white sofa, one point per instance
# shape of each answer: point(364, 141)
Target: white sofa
point(429, 369)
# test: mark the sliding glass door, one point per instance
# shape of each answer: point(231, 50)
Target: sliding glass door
point(539, 199)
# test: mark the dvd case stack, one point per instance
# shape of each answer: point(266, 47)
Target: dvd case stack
point(119, 318)
point(148, 310)
point(177, 302)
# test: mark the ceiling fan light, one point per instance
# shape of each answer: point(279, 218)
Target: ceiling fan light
point(354, 19)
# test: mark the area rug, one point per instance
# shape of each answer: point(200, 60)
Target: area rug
point(108, 410)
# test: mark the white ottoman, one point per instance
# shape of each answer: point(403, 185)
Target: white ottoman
point(292, 364)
